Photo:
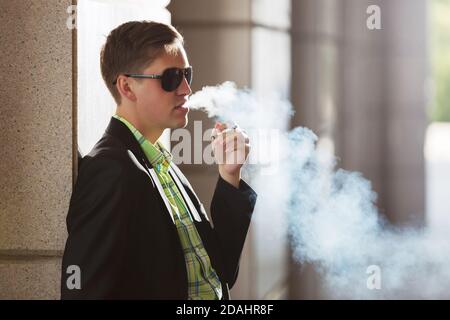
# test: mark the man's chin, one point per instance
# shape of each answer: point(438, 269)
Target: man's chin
point(180, 124)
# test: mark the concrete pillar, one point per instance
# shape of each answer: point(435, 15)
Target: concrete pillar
point(316, 48)
point(37, 157)
point(365, 91)
point(382, 112)
point(407, 68)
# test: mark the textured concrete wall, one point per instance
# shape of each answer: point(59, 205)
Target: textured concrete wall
point(36, 139)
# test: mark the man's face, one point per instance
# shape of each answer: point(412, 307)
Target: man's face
point(155, 107)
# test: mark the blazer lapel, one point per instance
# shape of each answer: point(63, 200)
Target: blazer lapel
point(119, 130)
point(183, 184)
point(191, 208)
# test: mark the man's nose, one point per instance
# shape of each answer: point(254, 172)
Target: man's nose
point(184, 88)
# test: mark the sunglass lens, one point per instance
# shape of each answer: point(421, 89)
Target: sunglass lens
point(171, 79)
point(188, 75)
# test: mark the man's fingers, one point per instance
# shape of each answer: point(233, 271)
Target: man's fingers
point(230, 145)
point(236, 155)
point(236, 147)
point(226, 134)
point(220, 126)
point(215, 133)
point(237, 138)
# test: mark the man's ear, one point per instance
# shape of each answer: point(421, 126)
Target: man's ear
point(125, 88)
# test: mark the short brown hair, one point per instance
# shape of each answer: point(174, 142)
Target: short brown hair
point(133, 46)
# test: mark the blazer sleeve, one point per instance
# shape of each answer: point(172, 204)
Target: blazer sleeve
point(231, 212)
point(97, 228)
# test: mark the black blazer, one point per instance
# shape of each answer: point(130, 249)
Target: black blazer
point(122, 237)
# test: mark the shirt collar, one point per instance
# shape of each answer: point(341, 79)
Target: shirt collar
point(157, 154)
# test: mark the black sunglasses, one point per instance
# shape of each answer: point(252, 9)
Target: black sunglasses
point(170, 79)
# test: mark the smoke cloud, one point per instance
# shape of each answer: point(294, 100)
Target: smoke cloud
point(329, 213)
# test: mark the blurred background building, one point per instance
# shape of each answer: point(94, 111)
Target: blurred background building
point(379, 99)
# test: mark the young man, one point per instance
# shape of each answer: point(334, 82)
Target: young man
point(136, 228)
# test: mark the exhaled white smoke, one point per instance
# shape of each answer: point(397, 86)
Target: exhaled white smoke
point(330, 214)
point(249, 110)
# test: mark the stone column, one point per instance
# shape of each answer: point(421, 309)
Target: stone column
point(37, 139)
point(316, 47)
point(364, 90)
point(407, 68)
point(382, 111)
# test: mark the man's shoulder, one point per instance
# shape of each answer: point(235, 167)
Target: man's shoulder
point(108, 145)
point(108, 154)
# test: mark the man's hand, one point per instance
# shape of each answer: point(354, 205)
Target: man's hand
point(231, 147)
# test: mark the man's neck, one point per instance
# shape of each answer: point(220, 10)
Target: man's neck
point(151, 134)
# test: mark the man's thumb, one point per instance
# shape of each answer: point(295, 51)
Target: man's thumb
point(219, 126)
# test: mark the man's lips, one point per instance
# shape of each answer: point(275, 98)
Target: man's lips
point(183, 108)
point(181, 105)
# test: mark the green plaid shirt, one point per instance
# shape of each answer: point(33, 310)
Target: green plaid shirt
point(203, 281)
